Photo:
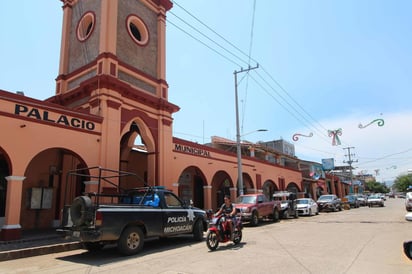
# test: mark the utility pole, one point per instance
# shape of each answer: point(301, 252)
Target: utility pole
point(238, 145)
point(350, 161)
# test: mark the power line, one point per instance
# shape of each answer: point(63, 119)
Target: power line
point(249, 56)
point(299, 113)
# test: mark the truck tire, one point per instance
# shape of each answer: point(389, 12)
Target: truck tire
point(79, 210)
point(131, 241)
point(255, 219)
point(275, 215)
point(198, 231)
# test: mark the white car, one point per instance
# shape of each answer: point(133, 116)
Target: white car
point(375, 200)
point(307, 206)
point(408, 201)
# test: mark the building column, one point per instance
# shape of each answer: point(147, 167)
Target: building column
point(11, 230)
point(233, 194)
point(339, 191)
point(207, 197)
point(252, 151)
point(332, 187)
point(314, 188)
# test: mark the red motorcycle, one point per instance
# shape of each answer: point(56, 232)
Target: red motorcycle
point(219, 230)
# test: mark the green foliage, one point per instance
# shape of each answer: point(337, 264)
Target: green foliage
point(402, 183)
point(376, 187)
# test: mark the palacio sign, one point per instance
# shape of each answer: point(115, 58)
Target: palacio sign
point(53, 117)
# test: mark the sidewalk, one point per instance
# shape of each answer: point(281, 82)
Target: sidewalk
point(36, 242)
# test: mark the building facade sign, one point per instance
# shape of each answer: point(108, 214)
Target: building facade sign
point(192, 150)
point(46, 116)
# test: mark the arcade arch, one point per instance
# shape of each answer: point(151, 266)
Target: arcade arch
point(293, 187)
point(45, 187)
point(248, 186)
point(191, 183)
point(268, 188)
point(5, 170)
point(136, 154)
point(221, 186)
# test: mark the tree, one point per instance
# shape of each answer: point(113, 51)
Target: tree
point(402, 183)
point(376, 187)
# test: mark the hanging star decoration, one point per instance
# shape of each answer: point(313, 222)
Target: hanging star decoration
point(295, 136)
point(335, 136)
point(380, 123)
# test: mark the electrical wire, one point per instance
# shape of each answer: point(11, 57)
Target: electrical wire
point(285, 99)
point(249, 57)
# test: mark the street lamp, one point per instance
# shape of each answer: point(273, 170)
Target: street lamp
point(239, 157)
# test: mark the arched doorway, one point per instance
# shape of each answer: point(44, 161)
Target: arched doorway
point(221, 185)
point(191, 183)
point(247, 185)
point(46, 187)
point(136, 155)
point(5, 170)
point(292, 187)
point(268, 188)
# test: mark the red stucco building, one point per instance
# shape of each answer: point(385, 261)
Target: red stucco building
point(111, 109)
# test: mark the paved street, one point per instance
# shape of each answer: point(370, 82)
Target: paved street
point(364, 240)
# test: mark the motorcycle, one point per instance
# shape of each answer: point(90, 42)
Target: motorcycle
point(219, 231)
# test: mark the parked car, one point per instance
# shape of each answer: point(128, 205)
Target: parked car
point(362, 199)
point(407, 249)
point(408, 201)
point(255, 207)
point(375, 200)
point(288, 204)
point(401, 195)
point(307, 206)
point(353, 201)
point(329, 202)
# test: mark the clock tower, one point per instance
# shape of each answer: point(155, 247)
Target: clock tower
point(112, 64)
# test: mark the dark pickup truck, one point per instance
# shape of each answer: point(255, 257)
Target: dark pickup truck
point(127, 217)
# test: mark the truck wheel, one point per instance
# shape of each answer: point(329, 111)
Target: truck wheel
point(79, 210)
point(198, 231)
point(93, 246)
point(255, 219)
point(131, 241)
point(275, 215)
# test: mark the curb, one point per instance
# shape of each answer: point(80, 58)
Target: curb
point(36, 251)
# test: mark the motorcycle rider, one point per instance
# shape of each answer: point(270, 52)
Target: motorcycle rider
point(229, 209)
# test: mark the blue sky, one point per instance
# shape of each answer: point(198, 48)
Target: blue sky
point(323, 65)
